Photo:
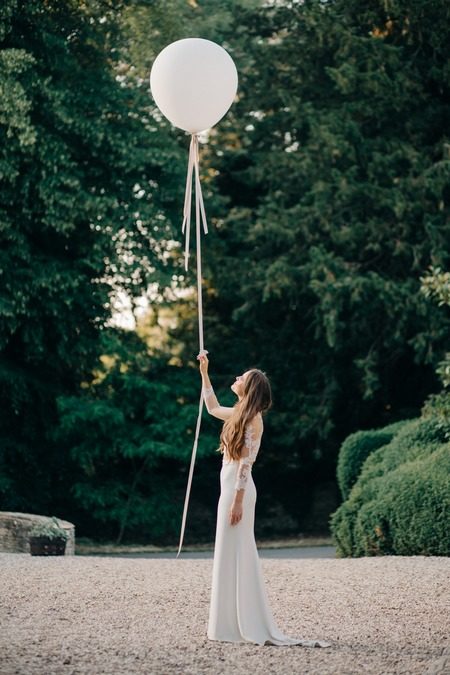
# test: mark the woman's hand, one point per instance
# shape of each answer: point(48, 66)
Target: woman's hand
point(203, 363)
point(235, 513)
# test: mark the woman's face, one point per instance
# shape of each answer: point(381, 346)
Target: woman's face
point(238, 384)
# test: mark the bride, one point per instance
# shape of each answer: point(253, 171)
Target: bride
point(239, 609)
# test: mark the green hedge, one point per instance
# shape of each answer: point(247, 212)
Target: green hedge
point(355, 450)
point(400, 503)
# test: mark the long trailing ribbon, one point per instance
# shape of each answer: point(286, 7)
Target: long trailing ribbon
point(200, 218)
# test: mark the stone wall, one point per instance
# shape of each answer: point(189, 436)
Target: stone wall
point(15, 529)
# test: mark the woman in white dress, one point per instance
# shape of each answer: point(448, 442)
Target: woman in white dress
point(239, 609)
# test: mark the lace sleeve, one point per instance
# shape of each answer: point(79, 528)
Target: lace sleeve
point(213, 406)
point(253, 433)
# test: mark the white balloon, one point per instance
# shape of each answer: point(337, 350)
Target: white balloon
point(194, 82)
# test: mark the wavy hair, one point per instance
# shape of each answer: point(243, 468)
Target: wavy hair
point(257, 398)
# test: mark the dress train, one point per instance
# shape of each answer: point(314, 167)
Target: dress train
point(240, 609)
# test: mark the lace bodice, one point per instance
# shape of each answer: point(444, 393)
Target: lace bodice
point(253, 434)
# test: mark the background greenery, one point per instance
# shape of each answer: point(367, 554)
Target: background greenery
point(400, 502)
point(395, 481)
point(327, 192)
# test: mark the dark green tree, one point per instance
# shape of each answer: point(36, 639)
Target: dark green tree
point(327, 192)
point(329, 200)
point(82, 217)
point(130, 435)
point(335, 165)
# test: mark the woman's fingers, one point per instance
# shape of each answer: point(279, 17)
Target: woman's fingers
point(234, 518)
point(203, 360)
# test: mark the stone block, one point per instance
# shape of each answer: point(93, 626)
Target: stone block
point(15, 530)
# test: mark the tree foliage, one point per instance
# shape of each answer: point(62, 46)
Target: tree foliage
point(334, 164)
point(129, 437)
point(327, 193)
point(81, 217)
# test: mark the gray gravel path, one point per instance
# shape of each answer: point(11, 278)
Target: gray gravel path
point(288, 553)
point(92, 615)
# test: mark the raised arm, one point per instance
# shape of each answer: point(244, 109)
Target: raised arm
point(212, 404)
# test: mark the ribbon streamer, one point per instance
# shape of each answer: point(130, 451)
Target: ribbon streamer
point(200, 218)
point(199, 209)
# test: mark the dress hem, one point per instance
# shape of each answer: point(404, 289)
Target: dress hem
point(270, 643)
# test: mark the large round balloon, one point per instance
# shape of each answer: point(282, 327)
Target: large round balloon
point(193, 82)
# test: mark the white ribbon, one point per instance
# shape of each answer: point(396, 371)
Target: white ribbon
point(200, 216)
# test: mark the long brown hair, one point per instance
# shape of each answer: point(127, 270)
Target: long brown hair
point(257, 397)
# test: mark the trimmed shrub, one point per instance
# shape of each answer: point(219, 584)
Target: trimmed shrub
point(342, 524)
point(437, 406)
point(400, 504)
point(355, 450)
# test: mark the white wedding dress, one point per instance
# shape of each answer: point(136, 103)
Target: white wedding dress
point(239, 609)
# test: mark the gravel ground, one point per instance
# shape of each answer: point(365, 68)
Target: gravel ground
point(86, 614)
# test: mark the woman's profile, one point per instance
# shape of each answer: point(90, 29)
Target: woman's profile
point(239, 609)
